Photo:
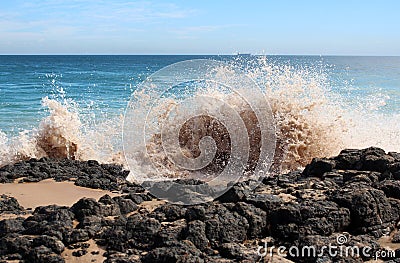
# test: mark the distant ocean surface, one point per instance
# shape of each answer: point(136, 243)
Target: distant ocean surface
point(106, 82)
point(100, 86)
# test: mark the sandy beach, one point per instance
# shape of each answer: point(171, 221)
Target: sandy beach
point(49, 192)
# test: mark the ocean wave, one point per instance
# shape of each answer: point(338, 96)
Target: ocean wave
point(311, 121)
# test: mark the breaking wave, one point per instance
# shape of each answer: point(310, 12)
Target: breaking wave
point(311, 119)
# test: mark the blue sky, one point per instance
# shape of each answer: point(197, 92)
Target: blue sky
point(323, 27)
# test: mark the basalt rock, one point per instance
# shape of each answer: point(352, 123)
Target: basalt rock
point(225, 226)
point(370, 209)
point(12, 225)
point(196, 233)
point(319, 166)
point(142, 231)
point(256, 217)
point(49, 220)
point(89, 174)
point(50, 242)
point(355, 194)
point(10, 205)
point(391, 188)
point(43, 254)
point(183, 251)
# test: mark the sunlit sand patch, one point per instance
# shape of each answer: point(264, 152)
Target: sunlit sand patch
point(48, 192)
point(97, 255)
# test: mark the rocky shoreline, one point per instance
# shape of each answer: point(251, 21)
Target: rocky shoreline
point(354, 196)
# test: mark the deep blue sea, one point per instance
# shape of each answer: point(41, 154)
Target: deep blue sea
point(106, 82)
point(100, 86)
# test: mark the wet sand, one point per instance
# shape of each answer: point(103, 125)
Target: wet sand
point(46, 192)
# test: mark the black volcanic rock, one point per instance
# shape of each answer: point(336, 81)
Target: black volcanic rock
point(355, 194)
point(142, 230)
point(76, 235)
point(257, 218)
point(13, 225)
point(236, 193)
point(89, 174)
point(238, 252)
point(169, 232)
point(370, 209)
point(195, 213)
point(348, 159)
point(318, 167)
point(225, 226)
point(375, 159)
point(10, 205)
point(169, 212)
point(196, 233)
point(266, 202)
point(49, 220)
point(126, 206)
point(15, 244)
point(43, 254)
point(183, 251)
point(90, 207)
point(50, 242)
point(391, 188)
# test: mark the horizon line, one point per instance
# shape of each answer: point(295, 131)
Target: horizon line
point(193, 54)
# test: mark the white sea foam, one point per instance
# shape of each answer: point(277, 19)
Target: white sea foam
point(311, 119)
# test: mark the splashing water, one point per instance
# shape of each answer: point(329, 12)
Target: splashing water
point(311, 121)
point(60, 135)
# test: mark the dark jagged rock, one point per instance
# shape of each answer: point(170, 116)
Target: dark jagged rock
point(138, 198)
point(355, 194)
point(182, 191)
point(79, 253)
point(169, 212)
point(43, 254)
point(142, 230)
point(370, 159)
point(238, 252)
point(170, 231)
point(49, 220)
point(126, 206)
point(225, 226)
point(318, 167)
point(257, 218)
point(86, 207)
point(15, 244)
point(10, 205)
point(11, 226)
point(266, 202)
point(368, 177)
point(90, 207)
point(89, 174)
point(237, 192)
point(196, 233)
point(375, 159)
point(183, 251)
point(50, 242)
point(195, 213)
point(391, 188)
point(396, 238)
point(370, 209)
point(77, 235)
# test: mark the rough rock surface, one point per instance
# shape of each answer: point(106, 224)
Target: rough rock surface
point(353, 198)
